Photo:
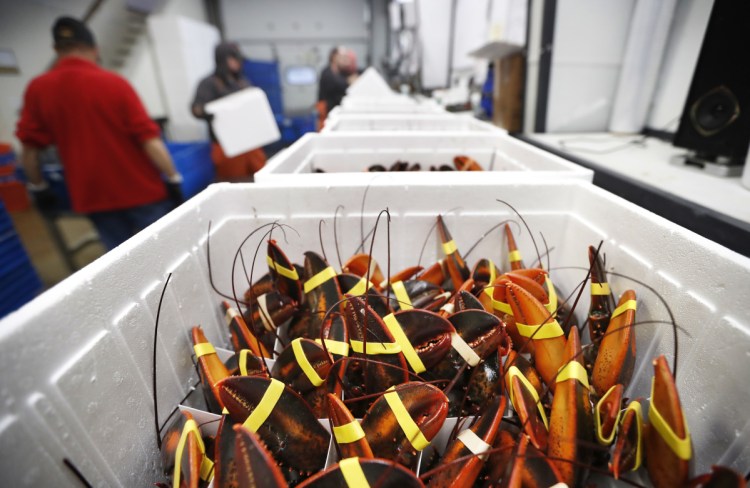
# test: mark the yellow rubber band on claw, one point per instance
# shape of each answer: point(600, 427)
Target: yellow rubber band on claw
point(304, 363)
point(635, 406)
point(514, 372)
point(207, 469)
point(449, 247)
point(282, 270)
point(600, 288)
point(203, 349)
point(361, 287)
point(348, 433)
point(407, 424)
point(190, 426)
point(375, 348)
point(265, 315)
point(265, 406)
point(406, 347)
point(514, 256)
point(474, 443)
point(243, 361)
point(336, 347)
point(489, 289)
point(499, 306)
point(552, 294)
point(230, 315)
point(605, 441)
point(681, 447)
point(353, 474)
point(573, 371)
point(464, 350)
point(629, 305)
point(319, 279)
point(404, 302)
point(550, 330)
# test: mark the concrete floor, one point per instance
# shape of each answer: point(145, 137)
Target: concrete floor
point(46, 256)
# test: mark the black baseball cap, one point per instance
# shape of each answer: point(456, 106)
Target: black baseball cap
point(68, 31)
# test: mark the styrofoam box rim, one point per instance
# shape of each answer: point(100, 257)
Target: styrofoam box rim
point(292, 163)
point(76, 360)
point(412, 122)
point(387, 109)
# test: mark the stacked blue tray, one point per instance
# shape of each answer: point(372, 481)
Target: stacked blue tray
point(193, 161)
point(265, 75)
point(19, 281)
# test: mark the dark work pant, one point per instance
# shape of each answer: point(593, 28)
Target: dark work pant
point(117, 226)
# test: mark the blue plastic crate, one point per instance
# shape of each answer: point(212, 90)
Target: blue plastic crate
point(265, 75)
point(7, 158)
point(304, 123)
point(19, 281)
point(193, 161)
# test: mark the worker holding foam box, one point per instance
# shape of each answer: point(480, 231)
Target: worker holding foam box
point(227, 78)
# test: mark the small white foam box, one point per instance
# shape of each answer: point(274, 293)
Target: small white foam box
point(345, 157)
point(243, 121)
point(76, 361)
point(408, 122)
point(369, 84)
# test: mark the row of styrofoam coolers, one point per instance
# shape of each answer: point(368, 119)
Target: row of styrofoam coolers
point(345, 157)
point(401, 122)
point(77, 361)
point(396, 104)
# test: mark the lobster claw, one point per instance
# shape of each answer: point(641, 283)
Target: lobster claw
point(534, 323)
point(628, 451)
point(184, 454)
point(465, 163)
point(370, 337)
point(571, 424)
point(530, 468)
point(363, 266)
point(347, 432)
point(456, 267)
point(668, 440)
point(485, 383)
point(283, 272)
point(476, 440)
point(303, 366)
point(404, 420)
point(424, 337)
point(409, 294)
point(241, 336)
point(255, 465)
point(602, 302)
point(356, 286)
point(607, 415)
point(271, 310)
point(356, 472)
point(210, 367)
point(322, 292)
point(403, 275)
point(528, 405)
point(280, 417)
point(225, 468)
point(463, 300)
point(616, 357)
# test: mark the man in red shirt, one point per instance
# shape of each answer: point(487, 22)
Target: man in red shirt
point(110, 148)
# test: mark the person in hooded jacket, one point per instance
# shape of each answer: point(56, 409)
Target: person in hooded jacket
point(226, 79)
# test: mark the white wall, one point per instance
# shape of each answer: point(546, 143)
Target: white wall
point(25, 27)
point(588, 46)
point(683, 48)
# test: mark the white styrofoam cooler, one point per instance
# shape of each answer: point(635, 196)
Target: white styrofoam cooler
point(408, 122)
point(397, 104)
point(345, 157)
point(76, 361)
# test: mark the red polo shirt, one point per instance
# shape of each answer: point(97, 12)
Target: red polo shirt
point(98, 123)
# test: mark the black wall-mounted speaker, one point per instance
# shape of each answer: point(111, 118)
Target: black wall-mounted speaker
point(716, 118)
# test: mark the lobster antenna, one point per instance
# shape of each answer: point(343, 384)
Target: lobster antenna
point(322, 222)
point(481, 238)
point(72, 467)
point(153, 371)
point(533, 241)
point(336, 234)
